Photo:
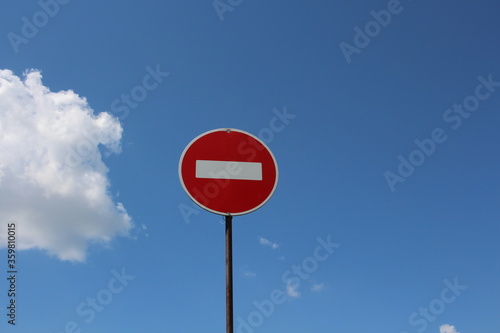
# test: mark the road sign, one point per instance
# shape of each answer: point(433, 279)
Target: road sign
point(228, 172)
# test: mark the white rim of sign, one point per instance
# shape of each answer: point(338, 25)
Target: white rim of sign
point(248, 170)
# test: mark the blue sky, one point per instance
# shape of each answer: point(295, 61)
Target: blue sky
point(386, 215)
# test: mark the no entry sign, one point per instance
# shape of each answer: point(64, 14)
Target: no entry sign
point(228, 172)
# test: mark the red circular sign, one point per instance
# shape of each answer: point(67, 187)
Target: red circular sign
point(228, 172)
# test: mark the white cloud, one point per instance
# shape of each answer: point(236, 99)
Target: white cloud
point(447, 329)
point(267, 242)
point(144, 230)
point(292, 289)
point(53, 182)
point(317, 287)
point(249, 274)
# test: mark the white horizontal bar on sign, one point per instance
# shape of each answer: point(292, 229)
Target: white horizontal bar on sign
point(228, 170)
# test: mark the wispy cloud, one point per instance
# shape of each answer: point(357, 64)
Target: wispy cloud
point(317, 287)
point(249, 274)
point(267, 242)
point(53, 181)
point(447, 329)
point(143, 231)
point(292, 289)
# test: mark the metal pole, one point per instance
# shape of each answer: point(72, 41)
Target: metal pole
point(229, 274)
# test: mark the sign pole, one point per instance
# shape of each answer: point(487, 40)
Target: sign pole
point(229, 274)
